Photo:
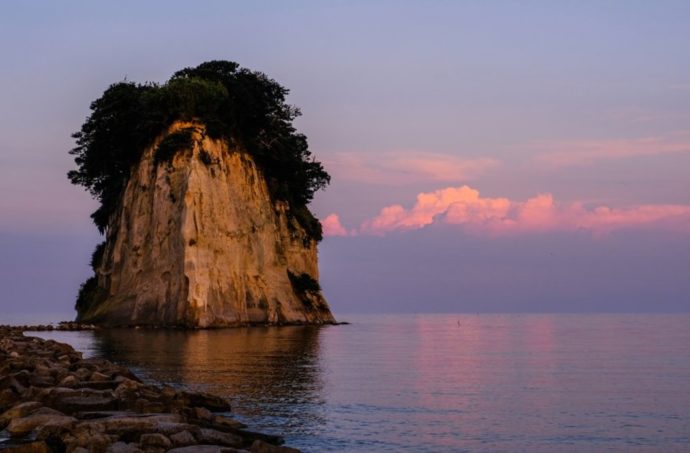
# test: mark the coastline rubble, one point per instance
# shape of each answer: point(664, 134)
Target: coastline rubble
point(54, 400)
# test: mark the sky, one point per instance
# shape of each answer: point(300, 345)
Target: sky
point(487, 156)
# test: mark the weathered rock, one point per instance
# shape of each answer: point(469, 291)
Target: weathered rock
point(83, 374)
point(149, 407)
point(97, 376)
point(170, 428)
point(7, 399)
point(130, 424)
point(122, 447)
point(93, 442)
point(203, 414)
point(81, 400)
point(98, 385)
point(74, 418)
point(22, 426)
point(12, 383)
point(18, 411)
point(103, 414)
point(28, 447)
point(87, 403)
point(65, 360)
point(155, 440)
point(206, 400)
point(168, 392)
point(198, 242)
point(42, 381)
point(128, 388)
point(69, 381)
point(211, 436)
point(22, 376)
point(42, 370)
point(182, 439)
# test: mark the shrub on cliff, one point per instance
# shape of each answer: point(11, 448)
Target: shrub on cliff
point(304, 283)
point(241, 106)
point(89, 294)
point(173, 143)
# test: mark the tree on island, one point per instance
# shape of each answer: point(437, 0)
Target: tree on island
point(246, 108)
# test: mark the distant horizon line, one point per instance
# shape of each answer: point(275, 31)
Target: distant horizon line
point(55, 317)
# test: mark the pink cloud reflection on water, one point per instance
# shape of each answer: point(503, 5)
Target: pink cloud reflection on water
point(438, 382)
point(474, 377)
point(512, 382)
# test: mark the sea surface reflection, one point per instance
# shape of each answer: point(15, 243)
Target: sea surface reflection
point(436, 382)
point(268, 373)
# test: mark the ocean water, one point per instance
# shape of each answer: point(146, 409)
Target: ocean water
point(475, 383)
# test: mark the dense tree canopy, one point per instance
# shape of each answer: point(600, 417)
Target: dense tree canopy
point(244, 107)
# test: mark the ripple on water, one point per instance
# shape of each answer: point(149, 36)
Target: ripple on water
point(436, 382)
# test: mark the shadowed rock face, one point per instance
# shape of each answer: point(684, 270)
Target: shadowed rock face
point(198, 242)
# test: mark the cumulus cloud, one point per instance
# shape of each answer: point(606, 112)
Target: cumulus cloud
point(332, 226)
point(465, 207)
point(587, 152)
point(397, 168)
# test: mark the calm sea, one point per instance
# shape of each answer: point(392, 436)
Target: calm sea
point(513, 383)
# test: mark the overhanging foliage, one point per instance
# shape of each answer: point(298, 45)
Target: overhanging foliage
point(244, 107)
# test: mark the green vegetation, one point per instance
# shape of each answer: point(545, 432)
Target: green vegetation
point(171, 144)
point(243, 107)
point(97, 256)
point(90, 294)
point(205, 157)
point(304, 283)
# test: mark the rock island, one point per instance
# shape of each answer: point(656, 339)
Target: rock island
point(203, 185)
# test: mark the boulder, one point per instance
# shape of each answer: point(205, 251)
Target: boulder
point(42, 417)
point(182, 439)
point(206, 400)
point(69, 381)
point(18, 411)
point(122, 447)
point(203, 414)
point(155, 440)
point(97, 376)
point(26, 447)
point(211, 436)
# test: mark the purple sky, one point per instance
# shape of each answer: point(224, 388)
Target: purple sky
point(486, 156)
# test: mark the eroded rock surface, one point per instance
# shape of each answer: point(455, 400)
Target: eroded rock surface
point(198, 242)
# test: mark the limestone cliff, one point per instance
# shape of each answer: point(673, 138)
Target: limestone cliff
point(197, 241)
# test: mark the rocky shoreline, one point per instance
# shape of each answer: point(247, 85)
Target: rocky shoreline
point(54, 400)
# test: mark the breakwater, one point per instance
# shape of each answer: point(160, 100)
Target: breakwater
point(54, 400)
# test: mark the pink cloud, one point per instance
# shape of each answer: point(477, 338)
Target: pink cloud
point(332, 226)
point(587, 152)
point(604, 219)
point(465, 207)
point(397, 168)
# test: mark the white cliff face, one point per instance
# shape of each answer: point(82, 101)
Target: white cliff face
point(198, 242)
